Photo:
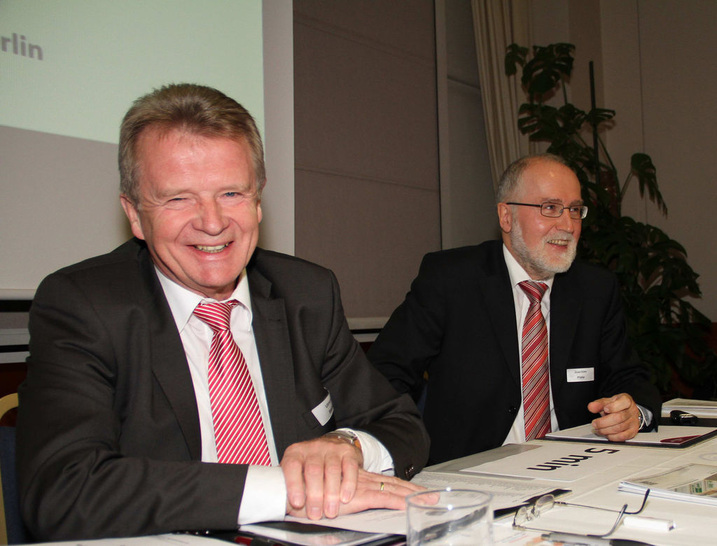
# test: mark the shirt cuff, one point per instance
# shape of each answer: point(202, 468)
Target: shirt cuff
point(646, 417)
point(376, 457)
point(264, 497)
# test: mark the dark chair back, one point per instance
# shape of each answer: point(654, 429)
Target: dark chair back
point(12, 529)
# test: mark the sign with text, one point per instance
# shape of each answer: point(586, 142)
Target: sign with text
point(559, 462)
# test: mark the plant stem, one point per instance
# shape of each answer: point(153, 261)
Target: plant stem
point(625, 185)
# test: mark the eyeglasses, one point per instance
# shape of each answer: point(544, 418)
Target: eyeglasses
point(534, 510)
point(555, 210)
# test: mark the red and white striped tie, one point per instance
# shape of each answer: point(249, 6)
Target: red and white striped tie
point(238, 429)
point(536, 395)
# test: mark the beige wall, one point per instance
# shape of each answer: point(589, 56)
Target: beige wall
point(655, 67)
point(391, 154)
point(367, 196)
point(468, 213)
point(673, 110)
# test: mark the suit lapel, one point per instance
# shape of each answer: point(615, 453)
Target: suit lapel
point(169, 362)
point(498, 295)
point(565, 305)
point(271, 333)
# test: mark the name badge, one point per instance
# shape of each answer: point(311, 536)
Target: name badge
point(324, 411)
point(581, 375)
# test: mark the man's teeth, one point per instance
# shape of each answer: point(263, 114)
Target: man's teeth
point(561, 242)
point(211, 249)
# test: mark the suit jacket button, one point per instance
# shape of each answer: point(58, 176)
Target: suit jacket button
point(409, 472)
point(513, 410)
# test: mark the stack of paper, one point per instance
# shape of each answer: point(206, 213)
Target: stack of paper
point(701, 408)
point(691, 483)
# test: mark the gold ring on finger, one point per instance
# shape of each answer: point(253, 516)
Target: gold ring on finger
point(381, 486)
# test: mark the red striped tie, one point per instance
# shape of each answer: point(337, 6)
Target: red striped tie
point(536, 395)
point(238, 429)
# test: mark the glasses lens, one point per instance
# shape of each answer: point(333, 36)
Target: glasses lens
point(578, 213)
point(551, 210)
point(554, 210)
point(523, 515)
point(543, 504)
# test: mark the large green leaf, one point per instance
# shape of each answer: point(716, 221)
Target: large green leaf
point(547, 68)
point(641, 166)
point(515, 56)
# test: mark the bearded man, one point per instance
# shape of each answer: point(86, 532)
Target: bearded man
point(508, 340)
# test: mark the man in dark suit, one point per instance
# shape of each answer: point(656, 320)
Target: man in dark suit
point(119, 427)
point(459, 327)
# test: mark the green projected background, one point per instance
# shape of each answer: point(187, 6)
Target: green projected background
point(73, 67)
point(69, 70)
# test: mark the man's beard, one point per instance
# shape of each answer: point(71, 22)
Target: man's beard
point(538, 263)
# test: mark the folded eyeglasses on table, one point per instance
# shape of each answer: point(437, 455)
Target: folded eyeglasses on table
point(531, 512)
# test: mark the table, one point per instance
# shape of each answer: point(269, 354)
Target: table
point(695, 524)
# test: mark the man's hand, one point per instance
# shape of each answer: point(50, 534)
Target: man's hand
point(321, 475)
point(619, 417)
point(372, 491)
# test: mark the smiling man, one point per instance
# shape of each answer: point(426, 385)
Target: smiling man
point(190, 380)
point(515, 338)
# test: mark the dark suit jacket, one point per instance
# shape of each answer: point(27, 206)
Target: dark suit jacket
point(458, 324)
point(108, 430)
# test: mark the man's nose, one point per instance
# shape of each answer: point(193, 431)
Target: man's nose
point(211, 218)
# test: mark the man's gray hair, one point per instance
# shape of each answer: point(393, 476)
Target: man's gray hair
point(510, 179)
point(195, 109)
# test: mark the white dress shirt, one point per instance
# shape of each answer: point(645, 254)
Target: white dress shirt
point(517, 275)
point(264, 496)
point(521, 303)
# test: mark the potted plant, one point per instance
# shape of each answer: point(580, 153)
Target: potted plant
point(666, 330)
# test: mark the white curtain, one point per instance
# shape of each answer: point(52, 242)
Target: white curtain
point(497, 24)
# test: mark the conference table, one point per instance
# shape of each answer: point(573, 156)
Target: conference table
point(694, 524)
point(590, 471)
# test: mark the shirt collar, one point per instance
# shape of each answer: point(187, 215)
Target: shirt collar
point(182, 301)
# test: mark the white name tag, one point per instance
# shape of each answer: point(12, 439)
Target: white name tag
point(580, 375)
point(324, 411)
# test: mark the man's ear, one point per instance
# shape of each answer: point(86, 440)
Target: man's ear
point(505, 217)
point(132, 214)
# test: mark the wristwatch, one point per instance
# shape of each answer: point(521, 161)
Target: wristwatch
point(640, 419)
point(347, 435)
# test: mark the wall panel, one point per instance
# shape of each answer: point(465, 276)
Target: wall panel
point(367, 202)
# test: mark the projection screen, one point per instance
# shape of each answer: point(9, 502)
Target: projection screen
point(68, 72)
